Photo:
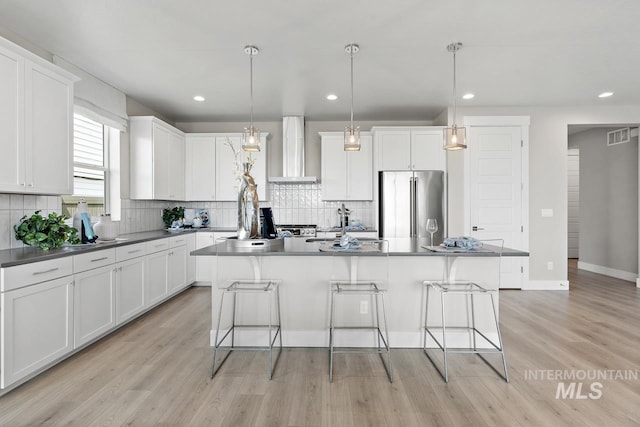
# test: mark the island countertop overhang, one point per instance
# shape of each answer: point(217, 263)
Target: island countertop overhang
point(397, 247)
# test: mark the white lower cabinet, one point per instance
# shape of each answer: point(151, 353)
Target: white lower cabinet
point(130, 279)
point(50, 308)
point(177, 269)
point(37, 327)
point(94, 304)
point(191, 260)
point(203, 269)
point(157, 277)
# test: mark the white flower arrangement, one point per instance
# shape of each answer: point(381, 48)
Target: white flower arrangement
point(238, 169)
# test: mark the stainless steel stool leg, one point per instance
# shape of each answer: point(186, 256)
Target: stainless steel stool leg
point(504, 359)
point(444, 340)
point(331, 333)
point(386, 332)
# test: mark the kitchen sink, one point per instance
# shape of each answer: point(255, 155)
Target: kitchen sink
point(255, 245)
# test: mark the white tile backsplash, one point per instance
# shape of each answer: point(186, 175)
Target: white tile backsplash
point(291, 203)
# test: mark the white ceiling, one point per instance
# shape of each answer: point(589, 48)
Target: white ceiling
point(516, 53)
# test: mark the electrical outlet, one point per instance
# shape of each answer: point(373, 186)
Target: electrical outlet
point(549, 265)
point(364, 307)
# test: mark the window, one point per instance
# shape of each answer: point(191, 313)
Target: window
point(91, 166)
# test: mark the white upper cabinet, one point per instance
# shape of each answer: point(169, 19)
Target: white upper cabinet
point(36, 117)
point(200, 178)
point(346, 175)
point(213, 167)
point(157, 160)
point(409, 148)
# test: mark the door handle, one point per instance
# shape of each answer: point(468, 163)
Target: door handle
point(476, 228)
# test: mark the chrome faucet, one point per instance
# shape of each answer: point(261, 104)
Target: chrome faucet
point(344, 215)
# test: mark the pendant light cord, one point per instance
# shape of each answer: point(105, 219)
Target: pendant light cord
point(351, 54)
point(454, 86)
point(251, 91)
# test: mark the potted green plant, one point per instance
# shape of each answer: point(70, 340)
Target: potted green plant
point(45, 232)
point(172, 214)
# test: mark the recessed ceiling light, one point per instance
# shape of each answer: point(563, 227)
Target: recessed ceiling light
point(332, 97)
point(468, 96)
point(198, 98)
point(605, 94)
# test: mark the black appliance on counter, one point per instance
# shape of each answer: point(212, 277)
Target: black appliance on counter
point(268, 226)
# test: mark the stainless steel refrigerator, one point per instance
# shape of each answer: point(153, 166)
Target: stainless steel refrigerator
point(407, 200)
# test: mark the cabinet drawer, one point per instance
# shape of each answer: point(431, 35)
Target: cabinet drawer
point(92, 260)
point(157, 245)
point(130, 251)
point(28, 274)
point(176, 241)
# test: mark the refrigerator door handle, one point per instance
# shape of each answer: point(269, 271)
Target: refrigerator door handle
point(412, 207)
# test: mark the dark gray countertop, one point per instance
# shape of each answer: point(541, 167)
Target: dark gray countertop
point(397, 247)
point(26, 255)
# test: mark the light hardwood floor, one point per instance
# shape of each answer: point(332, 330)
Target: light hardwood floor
point(156, 372)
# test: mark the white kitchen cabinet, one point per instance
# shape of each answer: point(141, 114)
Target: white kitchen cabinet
point(130, 289)
point(200, 178)
point(203, 266)
point(37, 328)
point(36, 118)
point(177, 263)
point(177, 269)
point(157, 160)
point(409, 148)
point(346, 175)
point(191, 260)
point(226, 172)
point(157, 277)
point(94, 304)
point(12, 161)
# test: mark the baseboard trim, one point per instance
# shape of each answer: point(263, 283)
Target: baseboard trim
point(546, 285)
point(612, 272)
point(638, 282)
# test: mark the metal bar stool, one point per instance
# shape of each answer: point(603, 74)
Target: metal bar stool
point(353, 286)
point(271, 289)
point(471, 291)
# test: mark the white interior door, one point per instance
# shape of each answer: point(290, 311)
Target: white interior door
point(495, 193)
point(573, 197)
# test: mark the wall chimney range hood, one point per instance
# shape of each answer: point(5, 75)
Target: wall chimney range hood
point(293, 153)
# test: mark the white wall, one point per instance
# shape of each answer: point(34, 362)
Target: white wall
point(609, 204)
point(548, 141)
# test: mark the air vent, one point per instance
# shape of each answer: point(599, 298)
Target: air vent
point(618, 136)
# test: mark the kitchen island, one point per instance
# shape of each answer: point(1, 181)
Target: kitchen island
point(305, 272)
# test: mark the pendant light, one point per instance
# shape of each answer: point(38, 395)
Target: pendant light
point(454, 137)
point(351, 132)
point(251, 135)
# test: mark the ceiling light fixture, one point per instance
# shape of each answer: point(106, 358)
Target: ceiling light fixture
point(351, 132)
point(198, 98)
point(468, 96)
point(251, 135)
point(605, 94)
point(454, 137)
point(332, 97)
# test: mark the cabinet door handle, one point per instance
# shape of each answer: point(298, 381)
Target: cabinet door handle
point(51, 270)
point(100, 259)
point(133, 252)
point(30, 184)
point(158, 246)
point(476, 228)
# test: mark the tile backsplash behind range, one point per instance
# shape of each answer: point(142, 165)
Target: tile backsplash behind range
point(291, 204)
